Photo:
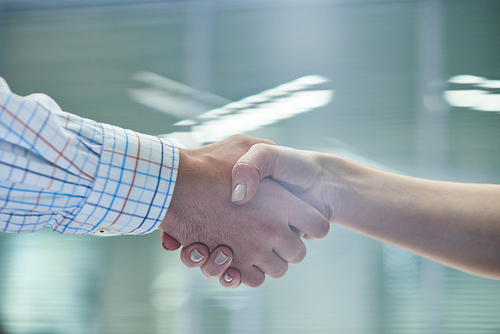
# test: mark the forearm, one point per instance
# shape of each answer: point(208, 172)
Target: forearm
point(78, 176)
point(453, 223)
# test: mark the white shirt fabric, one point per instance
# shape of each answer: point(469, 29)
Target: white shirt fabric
point(78, 176)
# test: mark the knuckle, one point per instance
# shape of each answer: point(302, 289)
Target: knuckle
point(256, 282)
point(242, 140)
point(301, 254)
point(270, 233)
point(261, 147)
point(281, 272)
point(242, 166)
point(323, 229)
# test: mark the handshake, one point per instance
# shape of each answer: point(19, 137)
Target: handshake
point(241, 207)
point(235, 222)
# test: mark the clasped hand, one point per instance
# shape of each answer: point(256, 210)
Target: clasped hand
point(256, 239)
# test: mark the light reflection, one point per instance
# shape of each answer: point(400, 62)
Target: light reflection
point(466, 79)
point(261, 115)
point(172, 97)
point(490, 84)
point(479, 93)
point(253, 112)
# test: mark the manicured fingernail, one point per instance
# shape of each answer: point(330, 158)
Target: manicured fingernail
point(196, 256)
point(239, 193)
point(220, 258)
point(228, 278)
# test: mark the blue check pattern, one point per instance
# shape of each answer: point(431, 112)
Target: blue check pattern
point(78, 176)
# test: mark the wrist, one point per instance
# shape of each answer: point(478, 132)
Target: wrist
point(344, 186)
point(203, 187)
point(170, 224)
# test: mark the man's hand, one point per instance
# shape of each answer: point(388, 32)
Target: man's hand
point(198, 256)
point(258, 233)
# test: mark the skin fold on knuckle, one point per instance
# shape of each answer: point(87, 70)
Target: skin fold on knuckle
point(243, 141)
point(270, 233)
point(322, 228)
point(281, 272)
point(300, 254)
point(266, 155)
point(256, 282)
point(244, 170)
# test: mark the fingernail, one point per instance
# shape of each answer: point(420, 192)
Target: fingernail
point(220, 258)
point(239, 193)
point(228, 278)
point(196, 256)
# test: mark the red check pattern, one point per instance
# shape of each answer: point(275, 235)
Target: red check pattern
point(78, 176)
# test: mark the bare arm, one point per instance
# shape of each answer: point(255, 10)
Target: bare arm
point(453, 223)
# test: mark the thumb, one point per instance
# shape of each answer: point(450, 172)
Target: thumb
point(169, 242)
point(250, 169)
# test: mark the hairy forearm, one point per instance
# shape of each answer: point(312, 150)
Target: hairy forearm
point(453, 223)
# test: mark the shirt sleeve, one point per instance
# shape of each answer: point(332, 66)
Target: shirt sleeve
point(78, 176)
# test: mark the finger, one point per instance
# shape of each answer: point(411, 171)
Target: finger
point(274, 266)
point(247, 140)
point(307, 237)
point(302, 234)
point(194, 255)
point(291, 248)
point(231, 279)
point(299, 232)
point(168, 242)
point(274, 223)
point(220, 259)
point(300, 219)
point(250, 169)
point(252, 276)
point(308, 221)
point(267, 141)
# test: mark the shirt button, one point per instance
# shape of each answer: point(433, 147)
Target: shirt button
point(102, 230)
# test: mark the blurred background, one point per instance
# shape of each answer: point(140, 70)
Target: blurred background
point(416, 91)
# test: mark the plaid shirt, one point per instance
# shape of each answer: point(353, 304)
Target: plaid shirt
point(78, 176)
